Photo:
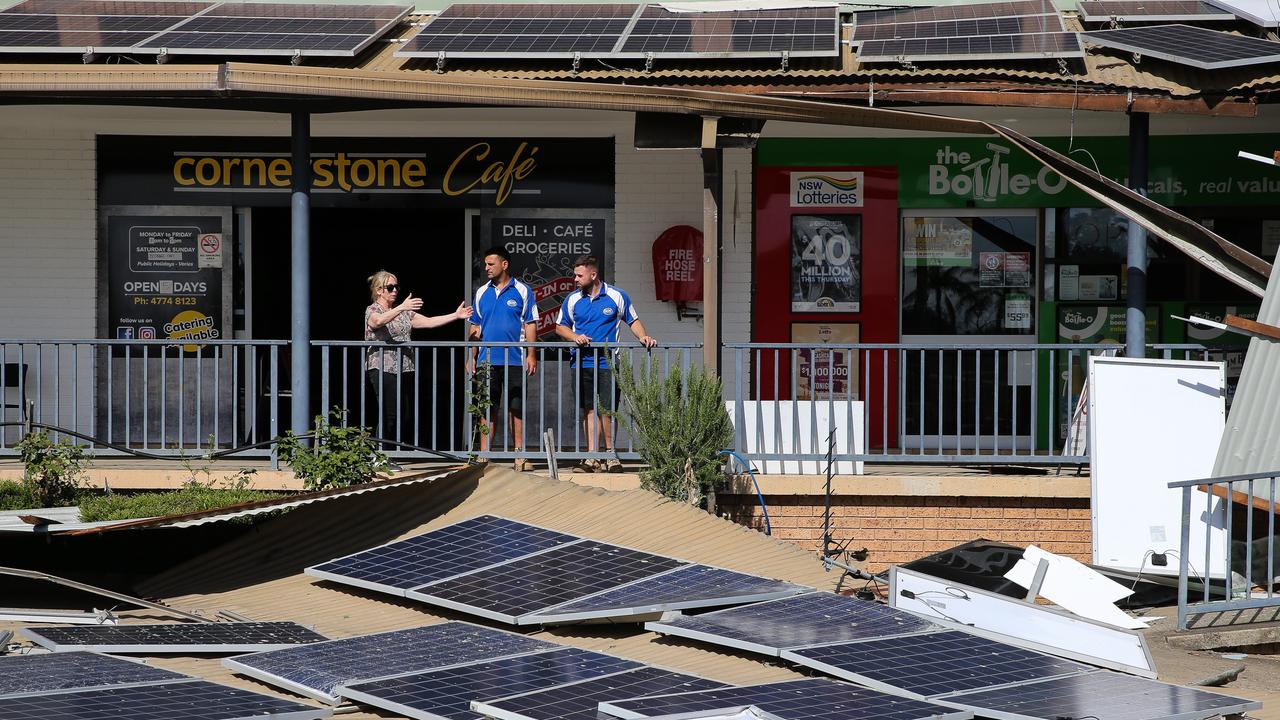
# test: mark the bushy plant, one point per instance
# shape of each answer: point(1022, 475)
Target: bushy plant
point(53, 471)
point(680, 426)
point(341, 456)
point(15, 496)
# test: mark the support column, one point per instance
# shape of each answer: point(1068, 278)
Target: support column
point(712, 164)
point(300, 304)
point(1136, 311)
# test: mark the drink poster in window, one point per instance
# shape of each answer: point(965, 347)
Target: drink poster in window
point(826, 263)
point(826, 373)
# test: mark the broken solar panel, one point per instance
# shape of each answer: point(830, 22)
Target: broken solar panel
point(1189, 45)
point(580, 701)
point(527, 585)
point(189, 700)
point(960, 28)
point(46, 673)
point(174, 637)
point(1263, 13)
point(316, 670)
point(448, 693)
point(1093, 11)
point(1106, 695)
point(624, 31)
point(814, 699)
point(986, 31)
point(798, 32)
point(685, 587)
point(446, 552)
point(933, 664)
point(233, 28)
point(517, 573)
point(771, 627)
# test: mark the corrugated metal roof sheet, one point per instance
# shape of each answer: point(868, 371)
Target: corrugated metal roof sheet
point(260, 575)
point(1251, 439)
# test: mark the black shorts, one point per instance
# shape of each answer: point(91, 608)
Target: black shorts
point(512, 377)
point(596, 384)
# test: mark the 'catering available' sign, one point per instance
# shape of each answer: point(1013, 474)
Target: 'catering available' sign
point(409, 172)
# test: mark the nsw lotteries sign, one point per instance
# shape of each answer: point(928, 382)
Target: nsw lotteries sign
point(826, 189)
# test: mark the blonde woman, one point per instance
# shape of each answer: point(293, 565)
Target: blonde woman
point(390, 370)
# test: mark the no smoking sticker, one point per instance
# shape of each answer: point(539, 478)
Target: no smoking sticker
point(210, 255)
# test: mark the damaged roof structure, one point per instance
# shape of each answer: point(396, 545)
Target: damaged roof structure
point(259, 578)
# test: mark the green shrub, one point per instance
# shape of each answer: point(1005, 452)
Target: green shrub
point(15, 496)
point(680, 426)
point(342, 456)
point(197, 498)
point(53, 470)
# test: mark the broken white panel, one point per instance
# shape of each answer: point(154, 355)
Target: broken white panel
point(1152, 422)
point(739, 5)
point(1076, 587)
point(800, 427)
point(1021, 623)
point(1066, 578)
point(59, 617)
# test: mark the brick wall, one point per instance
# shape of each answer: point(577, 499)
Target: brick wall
point(901, 529)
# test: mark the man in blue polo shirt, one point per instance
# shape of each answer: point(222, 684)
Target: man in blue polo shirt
point(504, 311)
point(594, 314)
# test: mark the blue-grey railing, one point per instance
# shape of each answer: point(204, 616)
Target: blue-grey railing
point(438, 412)
point(1256, 494)
point(158, 396)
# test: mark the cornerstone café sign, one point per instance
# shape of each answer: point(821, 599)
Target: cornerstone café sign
point(506, 172)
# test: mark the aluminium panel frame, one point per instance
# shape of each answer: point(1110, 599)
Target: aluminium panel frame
point(1223, 16)
point(955, 700)
point(1098, 39)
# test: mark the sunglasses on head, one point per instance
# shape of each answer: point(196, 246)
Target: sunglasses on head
point(391, 287)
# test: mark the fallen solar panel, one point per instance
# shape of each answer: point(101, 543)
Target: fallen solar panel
point(174, 638)
point(318, 669)
point(448, 693)
point(88, 686)
point(581, 700)
point(903, 654)
point(814, 699)
point(522, 574)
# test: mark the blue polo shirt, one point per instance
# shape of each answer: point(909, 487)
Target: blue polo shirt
point(599, 318)
point(501, 315)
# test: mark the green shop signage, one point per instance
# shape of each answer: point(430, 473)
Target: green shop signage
point(980, 172)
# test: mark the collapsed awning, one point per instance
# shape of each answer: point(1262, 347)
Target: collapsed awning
point(170, 85)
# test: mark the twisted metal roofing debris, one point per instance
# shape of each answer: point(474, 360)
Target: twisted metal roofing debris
point(66, 520)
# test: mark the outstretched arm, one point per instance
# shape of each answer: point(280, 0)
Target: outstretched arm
point(422, 322)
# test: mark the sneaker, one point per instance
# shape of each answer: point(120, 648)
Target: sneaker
point(587, 466)
point(522, 465)
point(613, 465)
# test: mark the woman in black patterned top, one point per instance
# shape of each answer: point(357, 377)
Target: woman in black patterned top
point(390, 370)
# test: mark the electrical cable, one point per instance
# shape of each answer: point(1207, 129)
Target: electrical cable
point(768, 527)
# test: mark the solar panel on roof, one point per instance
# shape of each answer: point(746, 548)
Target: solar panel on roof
point(448, 551)
point(960, 28)
point(316, 670)
point(174, 637)
point(45, 673)
point(579, 701)
point(1152, 11)
point(954, 12)
point(685, 587)
point(448, 693)
point(770, 627)
point(741, 33)
point(190, 700)
point(933, 664)
point(1104, 695)
point(1189, 45)
point(1262, 13)
point(530, 584)
point(192, 27)
point(815, 699)
point(498, 30)
point(983, 47)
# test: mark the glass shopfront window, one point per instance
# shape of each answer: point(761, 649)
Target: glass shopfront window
point(968, 277)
